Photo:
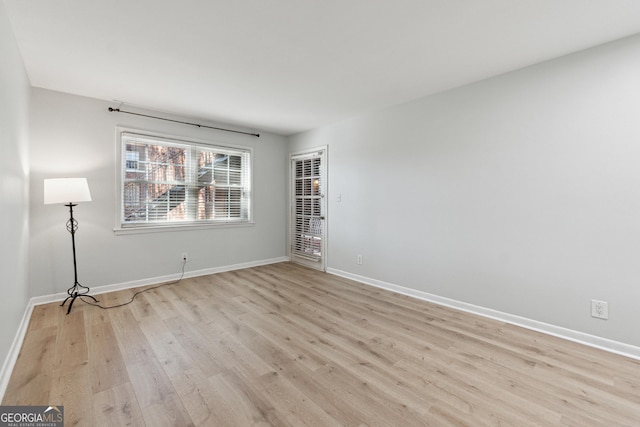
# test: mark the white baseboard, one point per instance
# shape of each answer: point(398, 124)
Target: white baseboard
point(97, 290)
point(546, 328)
point(14, 351)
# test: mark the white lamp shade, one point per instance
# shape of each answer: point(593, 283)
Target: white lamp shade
point(66, 190)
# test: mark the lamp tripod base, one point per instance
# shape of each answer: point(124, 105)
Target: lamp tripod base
point(76, 291)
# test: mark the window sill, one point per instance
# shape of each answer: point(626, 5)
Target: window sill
point(122, 231)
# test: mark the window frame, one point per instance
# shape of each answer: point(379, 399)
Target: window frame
point(123, 227)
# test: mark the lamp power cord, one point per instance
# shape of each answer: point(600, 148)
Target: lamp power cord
point(133, 297)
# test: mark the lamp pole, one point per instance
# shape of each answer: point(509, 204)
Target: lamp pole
point(77, 290)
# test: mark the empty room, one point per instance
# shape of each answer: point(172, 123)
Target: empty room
point(330, 213)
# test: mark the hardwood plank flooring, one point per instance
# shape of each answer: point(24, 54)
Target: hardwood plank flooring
point(283, 345)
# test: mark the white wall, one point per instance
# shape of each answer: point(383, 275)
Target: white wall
point(520, 193)
point(76, 136)
point(14, 185)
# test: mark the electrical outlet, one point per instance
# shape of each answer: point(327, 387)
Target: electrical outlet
point(185, 257)
point(359, 259)
point(599, 309)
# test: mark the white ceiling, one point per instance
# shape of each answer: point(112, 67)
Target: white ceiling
point(292, 65)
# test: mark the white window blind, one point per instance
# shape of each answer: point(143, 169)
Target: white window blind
point(307, 224)
point(172, 182)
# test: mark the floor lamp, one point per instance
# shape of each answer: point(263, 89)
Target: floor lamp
point(69, 191)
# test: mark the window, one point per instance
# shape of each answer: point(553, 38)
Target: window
point(171, 182)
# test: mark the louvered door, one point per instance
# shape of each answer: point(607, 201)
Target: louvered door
point(308, 223)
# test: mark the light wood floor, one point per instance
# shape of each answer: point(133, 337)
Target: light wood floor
point(288, 346)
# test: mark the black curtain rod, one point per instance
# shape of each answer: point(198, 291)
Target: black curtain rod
point(117, 110)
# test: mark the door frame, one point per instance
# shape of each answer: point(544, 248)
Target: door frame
point(323, 152)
